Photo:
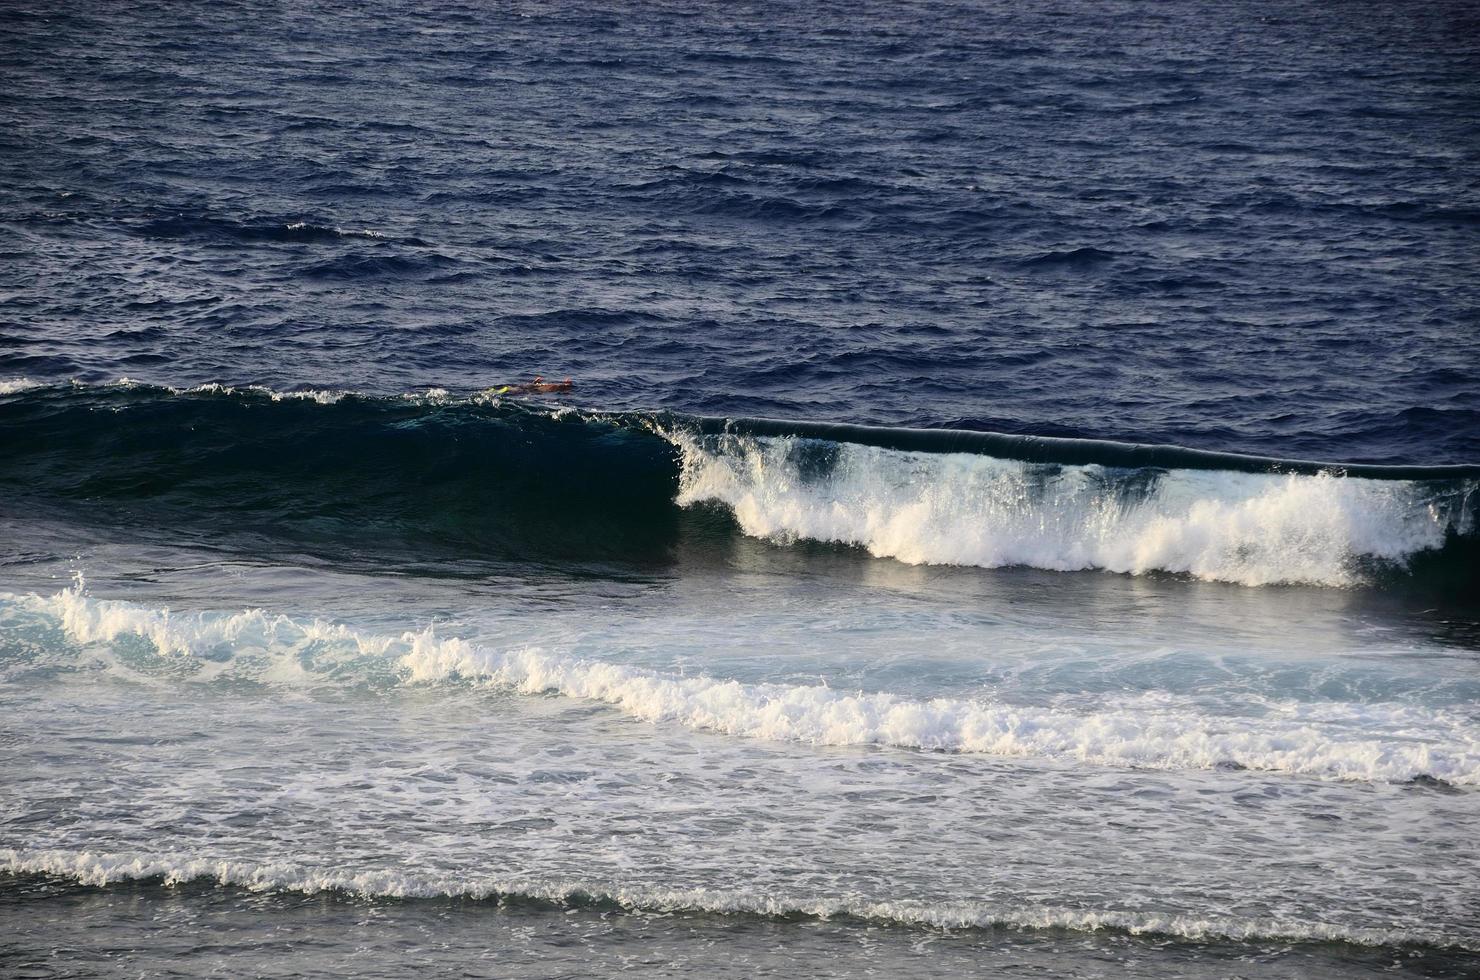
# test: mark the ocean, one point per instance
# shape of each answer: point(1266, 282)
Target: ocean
point(1014, 511)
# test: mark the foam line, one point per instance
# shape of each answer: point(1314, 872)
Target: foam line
point(967, 509)
point(1356, 742)
point(101, 869)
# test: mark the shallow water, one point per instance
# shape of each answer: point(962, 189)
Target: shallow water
point(1239, 772)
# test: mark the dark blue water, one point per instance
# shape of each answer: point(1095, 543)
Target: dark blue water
point(316, 655)
point(1241, 227)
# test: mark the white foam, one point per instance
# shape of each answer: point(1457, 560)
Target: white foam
point(13, 385)
point(342, 232)
point(320, 396)
point(432, 396)
point(99, 869)
point(1367, 742)
point(964, 509)
point(317, 395)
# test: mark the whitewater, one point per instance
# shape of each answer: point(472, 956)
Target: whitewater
point(102, 869)
point(967, 509)
point(589, 756)
point(943, 694)
point(1336, 740)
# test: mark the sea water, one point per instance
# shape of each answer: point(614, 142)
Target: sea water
point(316, 657)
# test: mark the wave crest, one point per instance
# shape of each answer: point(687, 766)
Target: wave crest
point(487, 479)
point(101, 869)
point(966, 509)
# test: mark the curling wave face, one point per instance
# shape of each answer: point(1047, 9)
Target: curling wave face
point(1343, 741)
point(337, 473)
point(964, 509)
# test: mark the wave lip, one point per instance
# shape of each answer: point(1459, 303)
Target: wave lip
point(1372, 742)
point(1052, 449)
point(101, 869)
point(968, 509)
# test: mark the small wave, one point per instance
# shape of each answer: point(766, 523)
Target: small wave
point(319, 396)
point(379, 266)
point(1074, 258)
point(307, 229)
point(1373, 742)
point(100, 869)
point(13, 385)
point(208, 227)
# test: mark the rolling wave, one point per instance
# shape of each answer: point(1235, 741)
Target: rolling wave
point(101, 869)
point(1342, 741)
point(483, 477)
point(966, 509)
point(339, 474)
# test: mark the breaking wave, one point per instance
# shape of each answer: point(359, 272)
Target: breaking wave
point(483, 477)
point(1342, 741)
point(967, 509)
point(101, 869)
point(10, 386)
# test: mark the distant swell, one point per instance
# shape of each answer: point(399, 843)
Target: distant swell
point(215, 228)
point(481, 477)
point(1372, 742)
point(101, 869)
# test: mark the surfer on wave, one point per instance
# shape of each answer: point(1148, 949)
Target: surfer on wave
point(539, 386)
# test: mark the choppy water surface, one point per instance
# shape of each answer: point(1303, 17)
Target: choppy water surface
point(315, 659)
point(1238, 227)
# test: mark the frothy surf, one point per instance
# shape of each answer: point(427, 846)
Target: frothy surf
point(967, 509)
point(101, 869)
point(1355, 742)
